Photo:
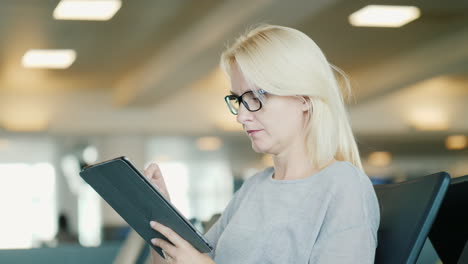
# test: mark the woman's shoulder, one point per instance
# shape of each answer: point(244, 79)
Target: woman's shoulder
point(345, 172)
point(350, 182)
point(354, 197)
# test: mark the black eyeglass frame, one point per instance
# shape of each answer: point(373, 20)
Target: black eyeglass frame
point(239, 99)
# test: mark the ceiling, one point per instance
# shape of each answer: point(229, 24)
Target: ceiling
point(152, 69)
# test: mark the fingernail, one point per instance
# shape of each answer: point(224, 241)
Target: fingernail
point(153, 241)
point(152, 223)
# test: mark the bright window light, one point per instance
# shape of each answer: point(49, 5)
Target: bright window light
point(89, 217)
point(176, 176)
point(30, 187)
point(99, 10)
point(90, 154)
point(200, 183)
point(384, 16)
point(53, 59)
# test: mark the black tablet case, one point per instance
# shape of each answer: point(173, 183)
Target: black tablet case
point(138, 202)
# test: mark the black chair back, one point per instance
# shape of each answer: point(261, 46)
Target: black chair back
point(449, 232)
point(407, 211)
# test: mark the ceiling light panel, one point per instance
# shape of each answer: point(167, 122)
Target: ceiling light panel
point(99, 10)
point(53, 59)
point(384, 16)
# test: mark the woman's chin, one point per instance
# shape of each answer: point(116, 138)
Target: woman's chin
point(259, 148)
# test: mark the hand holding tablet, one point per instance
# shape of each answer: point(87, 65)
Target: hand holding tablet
point(136, 198)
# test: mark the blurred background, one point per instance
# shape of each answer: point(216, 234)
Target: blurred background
point(86, 81)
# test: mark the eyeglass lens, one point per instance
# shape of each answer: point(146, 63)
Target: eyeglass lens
point(250, 101)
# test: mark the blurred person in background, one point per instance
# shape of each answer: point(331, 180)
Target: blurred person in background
point(64, 234)
point(315, 205)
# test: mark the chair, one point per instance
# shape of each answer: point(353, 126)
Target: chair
point(449, 232)
point(407, 211)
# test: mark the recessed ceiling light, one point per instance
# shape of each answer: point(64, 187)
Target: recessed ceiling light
point(456, 142)
point(429, 118)
point(54, 59)
point(380, 158)
point(87, 9)
point(209, 143)
point(384, 16)
point(25, 116)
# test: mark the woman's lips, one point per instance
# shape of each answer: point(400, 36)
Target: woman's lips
point(253, 132)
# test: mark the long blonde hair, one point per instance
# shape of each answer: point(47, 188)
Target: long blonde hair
point(286, 62)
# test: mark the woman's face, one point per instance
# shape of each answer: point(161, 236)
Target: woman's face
point(278, 125)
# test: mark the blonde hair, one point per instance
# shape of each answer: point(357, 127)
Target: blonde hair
point(286, 62)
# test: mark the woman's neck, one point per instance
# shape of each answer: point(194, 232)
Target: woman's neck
point(292, 164)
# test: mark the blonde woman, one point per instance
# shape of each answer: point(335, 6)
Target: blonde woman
point(315, 205)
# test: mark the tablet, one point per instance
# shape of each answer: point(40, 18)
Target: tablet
point(138, 202)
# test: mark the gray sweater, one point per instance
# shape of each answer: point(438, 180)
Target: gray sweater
point(330, 217)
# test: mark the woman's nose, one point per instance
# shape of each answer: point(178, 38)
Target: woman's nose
point(243, 115)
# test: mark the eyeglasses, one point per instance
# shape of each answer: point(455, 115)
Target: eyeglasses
point(248, 99)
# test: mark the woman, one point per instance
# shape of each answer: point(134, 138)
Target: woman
point(315, 205)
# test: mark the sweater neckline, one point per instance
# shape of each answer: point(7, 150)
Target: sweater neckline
point(308, 178)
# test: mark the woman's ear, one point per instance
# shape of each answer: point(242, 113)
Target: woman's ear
point(306, 104)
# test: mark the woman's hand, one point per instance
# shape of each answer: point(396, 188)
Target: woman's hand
point(181, 252)
point(154, 175)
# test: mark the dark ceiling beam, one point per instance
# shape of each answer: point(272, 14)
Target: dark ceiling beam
point(448, 54)
point(195, 53)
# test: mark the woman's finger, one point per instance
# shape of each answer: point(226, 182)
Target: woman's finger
point(168, 248)
point(169, 234)
point(153, 173)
